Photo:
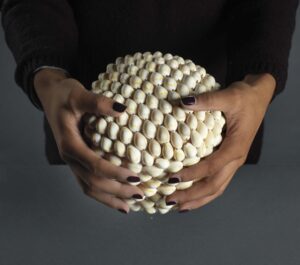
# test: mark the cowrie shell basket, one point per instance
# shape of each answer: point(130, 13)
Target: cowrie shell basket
point(155, 135)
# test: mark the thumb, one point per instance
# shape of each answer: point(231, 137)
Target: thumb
point(87, 101)
point(211, 100)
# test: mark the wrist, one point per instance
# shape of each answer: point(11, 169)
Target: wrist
point(263, 84)
point(45, 80)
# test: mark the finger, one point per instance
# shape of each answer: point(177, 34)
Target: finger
point(75, 148)
point(113, 187)
point(123, 191)
point(79, 171)
point(108, 170)
point(109, 200)
point(222, 99)
point(231, 149)
point(87, 101)
point(106, 198)
point(82, 183)
point(206, 187)
point(191, 205)
point(194, 204)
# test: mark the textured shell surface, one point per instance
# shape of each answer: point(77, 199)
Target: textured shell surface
point(155, 136)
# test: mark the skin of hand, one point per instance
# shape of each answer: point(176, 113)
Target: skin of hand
point(65, 101)
point(244, 104)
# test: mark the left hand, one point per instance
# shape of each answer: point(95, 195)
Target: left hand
point(244, 104)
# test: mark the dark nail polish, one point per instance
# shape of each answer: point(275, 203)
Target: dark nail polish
point(133, 179)
point(171, 203)
point(183, 211)
point(119, 107)
point(173, 180)
point(137, 196)
point(188, 100)
point(122, 211)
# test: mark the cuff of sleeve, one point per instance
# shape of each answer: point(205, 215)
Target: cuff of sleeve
point(25, 72)
point(237, 72)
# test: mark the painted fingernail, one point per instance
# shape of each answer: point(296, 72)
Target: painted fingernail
point(137, 196)
point(119, 107)
point(133, 179)
point(173, 180)
point(183, 211)
point(122, 211)
point(188, 100)
point(171, 203)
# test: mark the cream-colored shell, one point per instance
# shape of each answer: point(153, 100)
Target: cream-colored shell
point(125, 135)
point(143, 111)
point(157, 117)
point(112, 130)
point(167, 151)
point(133, 154)
point(139, 96)
point(149, 129)
point(122, 119)
point(140, 141)
point(119, 148)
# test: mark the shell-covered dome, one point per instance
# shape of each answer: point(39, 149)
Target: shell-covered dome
point(155, 135)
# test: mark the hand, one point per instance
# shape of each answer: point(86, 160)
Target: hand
point(244, 104)
point(65, 101)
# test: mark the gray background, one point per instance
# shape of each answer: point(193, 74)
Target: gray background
point(45, 219)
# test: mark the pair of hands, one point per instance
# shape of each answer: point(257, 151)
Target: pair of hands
point(65, 101)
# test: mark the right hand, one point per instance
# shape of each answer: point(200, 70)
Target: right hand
point(65, 101)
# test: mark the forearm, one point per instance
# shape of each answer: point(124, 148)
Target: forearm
point(259, 38)
point(39, 32)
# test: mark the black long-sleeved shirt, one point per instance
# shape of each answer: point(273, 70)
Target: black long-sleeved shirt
point(230, 38)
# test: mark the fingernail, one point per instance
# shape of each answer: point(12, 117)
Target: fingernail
point(119, 107)
point(173, 180)
point(183, 211)
point(122, 211)
point(171, 203)
point(137, 196)
point(188, 100)
point(133, 179)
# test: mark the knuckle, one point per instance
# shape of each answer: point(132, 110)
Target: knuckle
point(210, 168)
point(241, 161)
point(207, 98)
point(95, 183)
point(87, 192)
point(220, 192)
point(111, 202)
point(213, 187)
point(95, 166)
point(64, 144)
point(113, 205)
point(123, 192)
point(100, 101)
point(92, 169)
point(236, 97)
point(63, 156)
point(65, 149)
point(72, 99)
point(188, 173)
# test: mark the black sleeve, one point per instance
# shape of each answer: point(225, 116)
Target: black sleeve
point(259, 38)
point(39, 32)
